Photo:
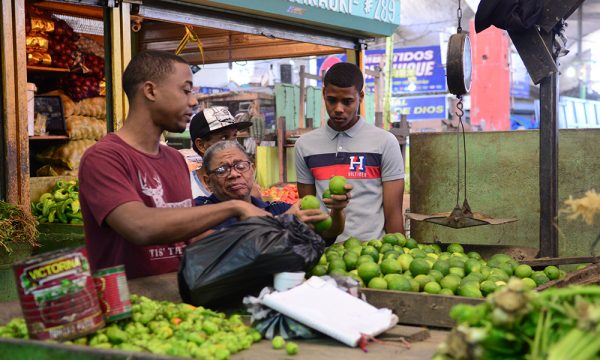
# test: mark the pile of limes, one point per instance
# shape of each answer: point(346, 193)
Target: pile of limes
point(397, 263)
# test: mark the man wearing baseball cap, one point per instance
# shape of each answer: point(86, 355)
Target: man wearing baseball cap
point(208, 127)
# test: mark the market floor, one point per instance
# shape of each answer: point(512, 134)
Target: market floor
point(330, 349)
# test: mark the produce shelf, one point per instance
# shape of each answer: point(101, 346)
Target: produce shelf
point(46, 68)
point(49, 137)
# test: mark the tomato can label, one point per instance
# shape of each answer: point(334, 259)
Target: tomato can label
point(57, 295)
point(113, 293)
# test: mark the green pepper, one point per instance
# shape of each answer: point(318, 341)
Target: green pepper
point(75, 206)
point(51, 215)
point(44, 197)
point(116, 335)
point(48, 204)
point(99, 338)
point(61, 194)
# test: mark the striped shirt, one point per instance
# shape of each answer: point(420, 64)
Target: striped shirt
point(365, 155)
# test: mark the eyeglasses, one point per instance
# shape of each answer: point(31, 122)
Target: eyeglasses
point(225, 170)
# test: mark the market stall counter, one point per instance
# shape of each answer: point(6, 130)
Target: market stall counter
point(394, 342)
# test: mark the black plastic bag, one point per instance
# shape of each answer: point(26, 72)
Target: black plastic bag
point(241, 259)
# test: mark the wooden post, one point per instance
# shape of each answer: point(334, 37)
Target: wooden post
point(281, 149)
point(14, 67)
point(302, 98)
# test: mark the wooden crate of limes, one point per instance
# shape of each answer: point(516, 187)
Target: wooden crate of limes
point(421, 282)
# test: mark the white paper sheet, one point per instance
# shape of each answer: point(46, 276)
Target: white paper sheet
point(325, 308)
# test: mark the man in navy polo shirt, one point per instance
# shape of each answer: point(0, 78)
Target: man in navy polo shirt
point(369, 157)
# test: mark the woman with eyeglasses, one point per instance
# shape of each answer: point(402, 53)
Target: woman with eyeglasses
point(230, 176)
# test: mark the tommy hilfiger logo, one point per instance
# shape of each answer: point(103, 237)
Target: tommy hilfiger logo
point(357, 163)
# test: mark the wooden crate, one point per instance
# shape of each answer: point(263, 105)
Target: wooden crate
point(418, 308)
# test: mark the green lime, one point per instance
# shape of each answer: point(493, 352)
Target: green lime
point(457, 271)
point(414, 285)
point(476, 276)
point(323, 225)
point(445, 256)
point(378, 283)
point(390, 266)
point(351, 260)
point(310, 202)
point(552, 272)
point(336, 264)
point(529, 283)
point(450, 282)
point(456, 262)
point(337, 185)
point(485, 272)
point(417, 253)
point(470, 291)
point(472, 265)
point(523, 271)
point(397, 282)
point(326, 194)
point(352, 242)
point(363, 259)
point(474, 255)
point(487, 287)
point(442, 266)
point(401, 239)
point(278, 342)
point(432, 287)
point(391, 239)
point(405, 260)
point(319, 270)
point(455, 248)
point(513, 263)
point(419, 267)
point(428, 249)
point(385, 248)
point(357, 250)
point(502, 258)
point(436, 275)
point(499, 273)
point(368, 271)
point(540, 278)
point(423, 280)
point(291, 348)
point(338, 271)
point(376, 243)
point(446, 292)
point(392, 254)
point(412, 243)
point(506, 267)
point(323, 260)
point(371, 251)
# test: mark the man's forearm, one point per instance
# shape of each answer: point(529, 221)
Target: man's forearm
point(144, 226)
point(394, 221)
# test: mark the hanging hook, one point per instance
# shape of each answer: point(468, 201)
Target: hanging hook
point(459, 15)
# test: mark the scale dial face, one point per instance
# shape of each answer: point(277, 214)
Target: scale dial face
point(458, 64)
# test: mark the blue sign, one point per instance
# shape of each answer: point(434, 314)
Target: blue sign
point(414, 70)
point(419, 107)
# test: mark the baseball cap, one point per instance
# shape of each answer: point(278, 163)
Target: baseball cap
point(212, 119)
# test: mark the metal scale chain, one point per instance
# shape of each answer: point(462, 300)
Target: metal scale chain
point(460, 128)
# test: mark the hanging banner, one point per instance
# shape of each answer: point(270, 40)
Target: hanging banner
point(415, 69)
point(420, 107)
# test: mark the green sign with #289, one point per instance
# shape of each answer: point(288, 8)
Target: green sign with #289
point(358, 17)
